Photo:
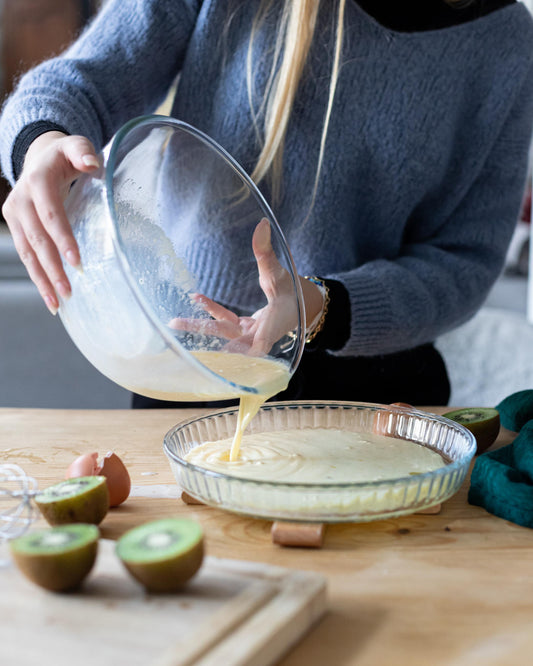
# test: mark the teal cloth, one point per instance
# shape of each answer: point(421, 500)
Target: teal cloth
point(516, 410)
point(502, 480)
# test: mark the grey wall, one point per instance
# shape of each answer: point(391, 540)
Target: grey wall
point(39, 364)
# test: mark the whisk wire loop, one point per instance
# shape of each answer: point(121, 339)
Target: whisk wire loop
point(16, 490)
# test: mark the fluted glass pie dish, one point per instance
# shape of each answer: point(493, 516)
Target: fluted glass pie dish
point(325, 502)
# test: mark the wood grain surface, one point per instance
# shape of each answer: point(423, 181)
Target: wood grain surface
point(228, 608)
point(450, 589)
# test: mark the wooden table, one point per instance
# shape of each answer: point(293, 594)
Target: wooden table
point(454, 588)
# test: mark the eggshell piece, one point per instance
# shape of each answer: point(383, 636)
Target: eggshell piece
point(118, 478)
point(84, 465)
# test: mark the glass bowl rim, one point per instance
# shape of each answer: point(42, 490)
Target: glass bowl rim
point(447, 469)
point(109, 158)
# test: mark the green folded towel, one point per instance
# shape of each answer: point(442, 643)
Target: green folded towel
point(516, 410)
point(502, 480)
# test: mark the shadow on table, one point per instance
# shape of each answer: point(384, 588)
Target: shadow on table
point(338, 637)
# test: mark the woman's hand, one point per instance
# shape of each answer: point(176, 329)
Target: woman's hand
point(35, 214)
point(256, 334)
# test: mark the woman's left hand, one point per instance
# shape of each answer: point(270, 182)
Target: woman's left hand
point(256, 334)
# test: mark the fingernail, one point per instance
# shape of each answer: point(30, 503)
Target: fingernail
point(50, 305)
point(90, 160)
point(63, 289)
point(262, 235)
point(72, 258)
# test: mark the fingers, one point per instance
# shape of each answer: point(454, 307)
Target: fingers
point(221, 329)
point(49, 182)
point(80, 153)
point(225, 323)
point(32, 237)
point(43, 195)
point(264, 337)
point(241, 345)
point(272, 275)
point(35, 213)
point(215, 309)
point(262, 244)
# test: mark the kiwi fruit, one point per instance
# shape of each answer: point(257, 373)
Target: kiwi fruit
point(163, 554)
point(57, 558)
point(483, 423)
point(81, 500)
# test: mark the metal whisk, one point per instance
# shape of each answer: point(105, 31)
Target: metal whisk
point(17, 511)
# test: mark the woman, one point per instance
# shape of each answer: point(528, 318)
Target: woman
point(392, 145)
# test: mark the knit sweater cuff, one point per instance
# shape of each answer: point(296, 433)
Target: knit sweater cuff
point(26, 138)
point(21, 112)
point(373, 330)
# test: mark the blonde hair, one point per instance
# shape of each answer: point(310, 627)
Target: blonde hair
point(295, 35)
point(296, 29)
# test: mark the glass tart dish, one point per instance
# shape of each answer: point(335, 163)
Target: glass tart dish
point(357, 501)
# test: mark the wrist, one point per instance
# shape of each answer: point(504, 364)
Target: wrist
point(316, 305)
point(24, 140)
point(42, 142)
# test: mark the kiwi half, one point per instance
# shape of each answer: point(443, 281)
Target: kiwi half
point(163, 554)
point(57, 558)
point(483, 423)
point(81, 500)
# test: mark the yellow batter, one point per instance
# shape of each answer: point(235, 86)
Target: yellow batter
point(268, 377)
point(164, 380)
point(265, 375)
point(317, 455)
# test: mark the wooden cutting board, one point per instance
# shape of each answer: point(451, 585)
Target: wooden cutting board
point(232, 613)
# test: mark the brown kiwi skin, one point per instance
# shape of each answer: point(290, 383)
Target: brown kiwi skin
point(168, 575)
point(65, 510)
point(485, 431)
point(58, 572)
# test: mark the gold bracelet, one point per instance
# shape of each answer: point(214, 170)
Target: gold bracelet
point(317, 326)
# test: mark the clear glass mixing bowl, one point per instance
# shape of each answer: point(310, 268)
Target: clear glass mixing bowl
point(170, 216)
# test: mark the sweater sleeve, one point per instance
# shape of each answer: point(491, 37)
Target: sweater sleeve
point(121, 66)
point(438, 282)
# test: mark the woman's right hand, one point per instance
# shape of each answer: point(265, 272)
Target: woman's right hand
point(35, 214)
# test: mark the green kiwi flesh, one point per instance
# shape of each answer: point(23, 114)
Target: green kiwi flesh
point(57, 558)
point(483, 423)
point(81, 500)
point(163, 554)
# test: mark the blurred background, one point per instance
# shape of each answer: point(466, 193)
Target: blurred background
point(33, 30)
point(39, 364)
point(488, 358)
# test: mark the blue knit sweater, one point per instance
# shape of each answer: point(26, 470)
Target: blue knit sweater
point(425, 160)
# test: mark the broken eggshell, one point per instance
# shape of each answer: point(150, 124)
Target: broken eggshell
point(84, 465)
point(118, 478)
point(111, 466)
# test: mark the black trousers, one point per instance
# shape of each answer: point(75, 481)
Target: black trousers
point(417, 376)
